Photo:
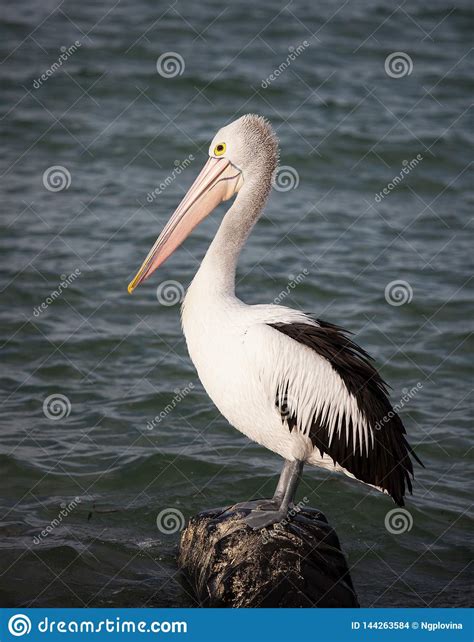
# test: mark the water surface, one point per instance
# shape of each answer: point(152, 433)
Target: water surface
point(119, 128)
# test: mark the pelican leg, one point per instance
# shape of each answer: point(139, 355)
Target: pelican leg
point(261, 517)
point(291, 481)
point(283, 481)
point(275, 503)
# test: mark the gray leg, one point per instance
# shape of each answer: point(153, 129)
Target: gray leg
point(292, 479)
point(283, 481)
point(260, 517)
point(277, 499)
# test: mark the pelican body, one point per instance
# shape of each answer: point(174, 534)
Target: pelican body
point(294, 384)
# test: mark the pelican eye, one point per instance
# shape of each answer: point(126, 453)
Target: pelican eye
point(219, 149)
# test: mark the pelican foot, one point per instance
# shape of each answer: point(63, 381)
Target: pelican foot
point(242, 511)
point(255, 504)
point(258, 519)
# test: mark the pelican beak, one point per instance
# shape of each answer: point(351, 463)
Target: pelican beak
point(218, 181)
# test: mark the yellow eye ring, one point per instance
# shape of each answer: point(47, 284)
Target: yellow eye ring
point(219, 149)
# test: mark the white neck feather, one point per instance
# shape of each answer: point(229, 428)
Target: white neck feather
point(217, 270)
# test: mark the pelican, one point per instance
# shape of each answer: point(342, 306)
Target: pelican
point(295, 384)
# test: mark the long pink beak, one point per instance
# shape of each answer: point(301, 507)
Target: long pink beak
point(217, 182)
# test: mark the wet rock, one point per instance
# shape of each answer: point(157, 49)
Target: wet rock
point(296, 563)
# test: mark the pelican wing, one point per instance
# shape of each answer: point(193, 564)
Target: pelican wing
point(325, 386)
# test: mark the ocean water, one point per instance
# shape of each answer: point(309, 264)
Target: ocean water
point(108, 441)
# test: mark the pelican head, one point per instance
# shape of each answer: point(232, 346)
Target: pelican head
point(243, 153)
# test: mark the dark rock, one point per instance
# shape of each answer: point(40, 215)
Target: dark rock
point(296, 563)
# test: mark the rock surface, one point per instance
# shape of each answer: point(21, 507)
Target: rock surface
point(297, 563)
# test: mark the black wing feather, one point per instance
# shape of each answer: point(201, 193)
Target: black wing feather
point(388, 464)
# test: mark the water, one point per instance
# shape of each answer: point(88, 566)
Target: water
point(119, 128)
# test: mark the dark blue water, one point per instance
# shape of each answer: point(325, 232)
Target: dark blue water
point(334, 245)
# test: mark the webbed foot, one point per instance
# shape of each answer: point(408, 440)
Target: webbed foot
point(255, 504)
point(258, 519)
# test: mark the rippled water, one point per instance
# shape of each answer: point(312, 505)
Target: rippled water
point(119, 129)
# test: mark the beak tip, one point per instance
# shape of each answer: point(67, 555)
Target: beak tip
point(139, 277)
